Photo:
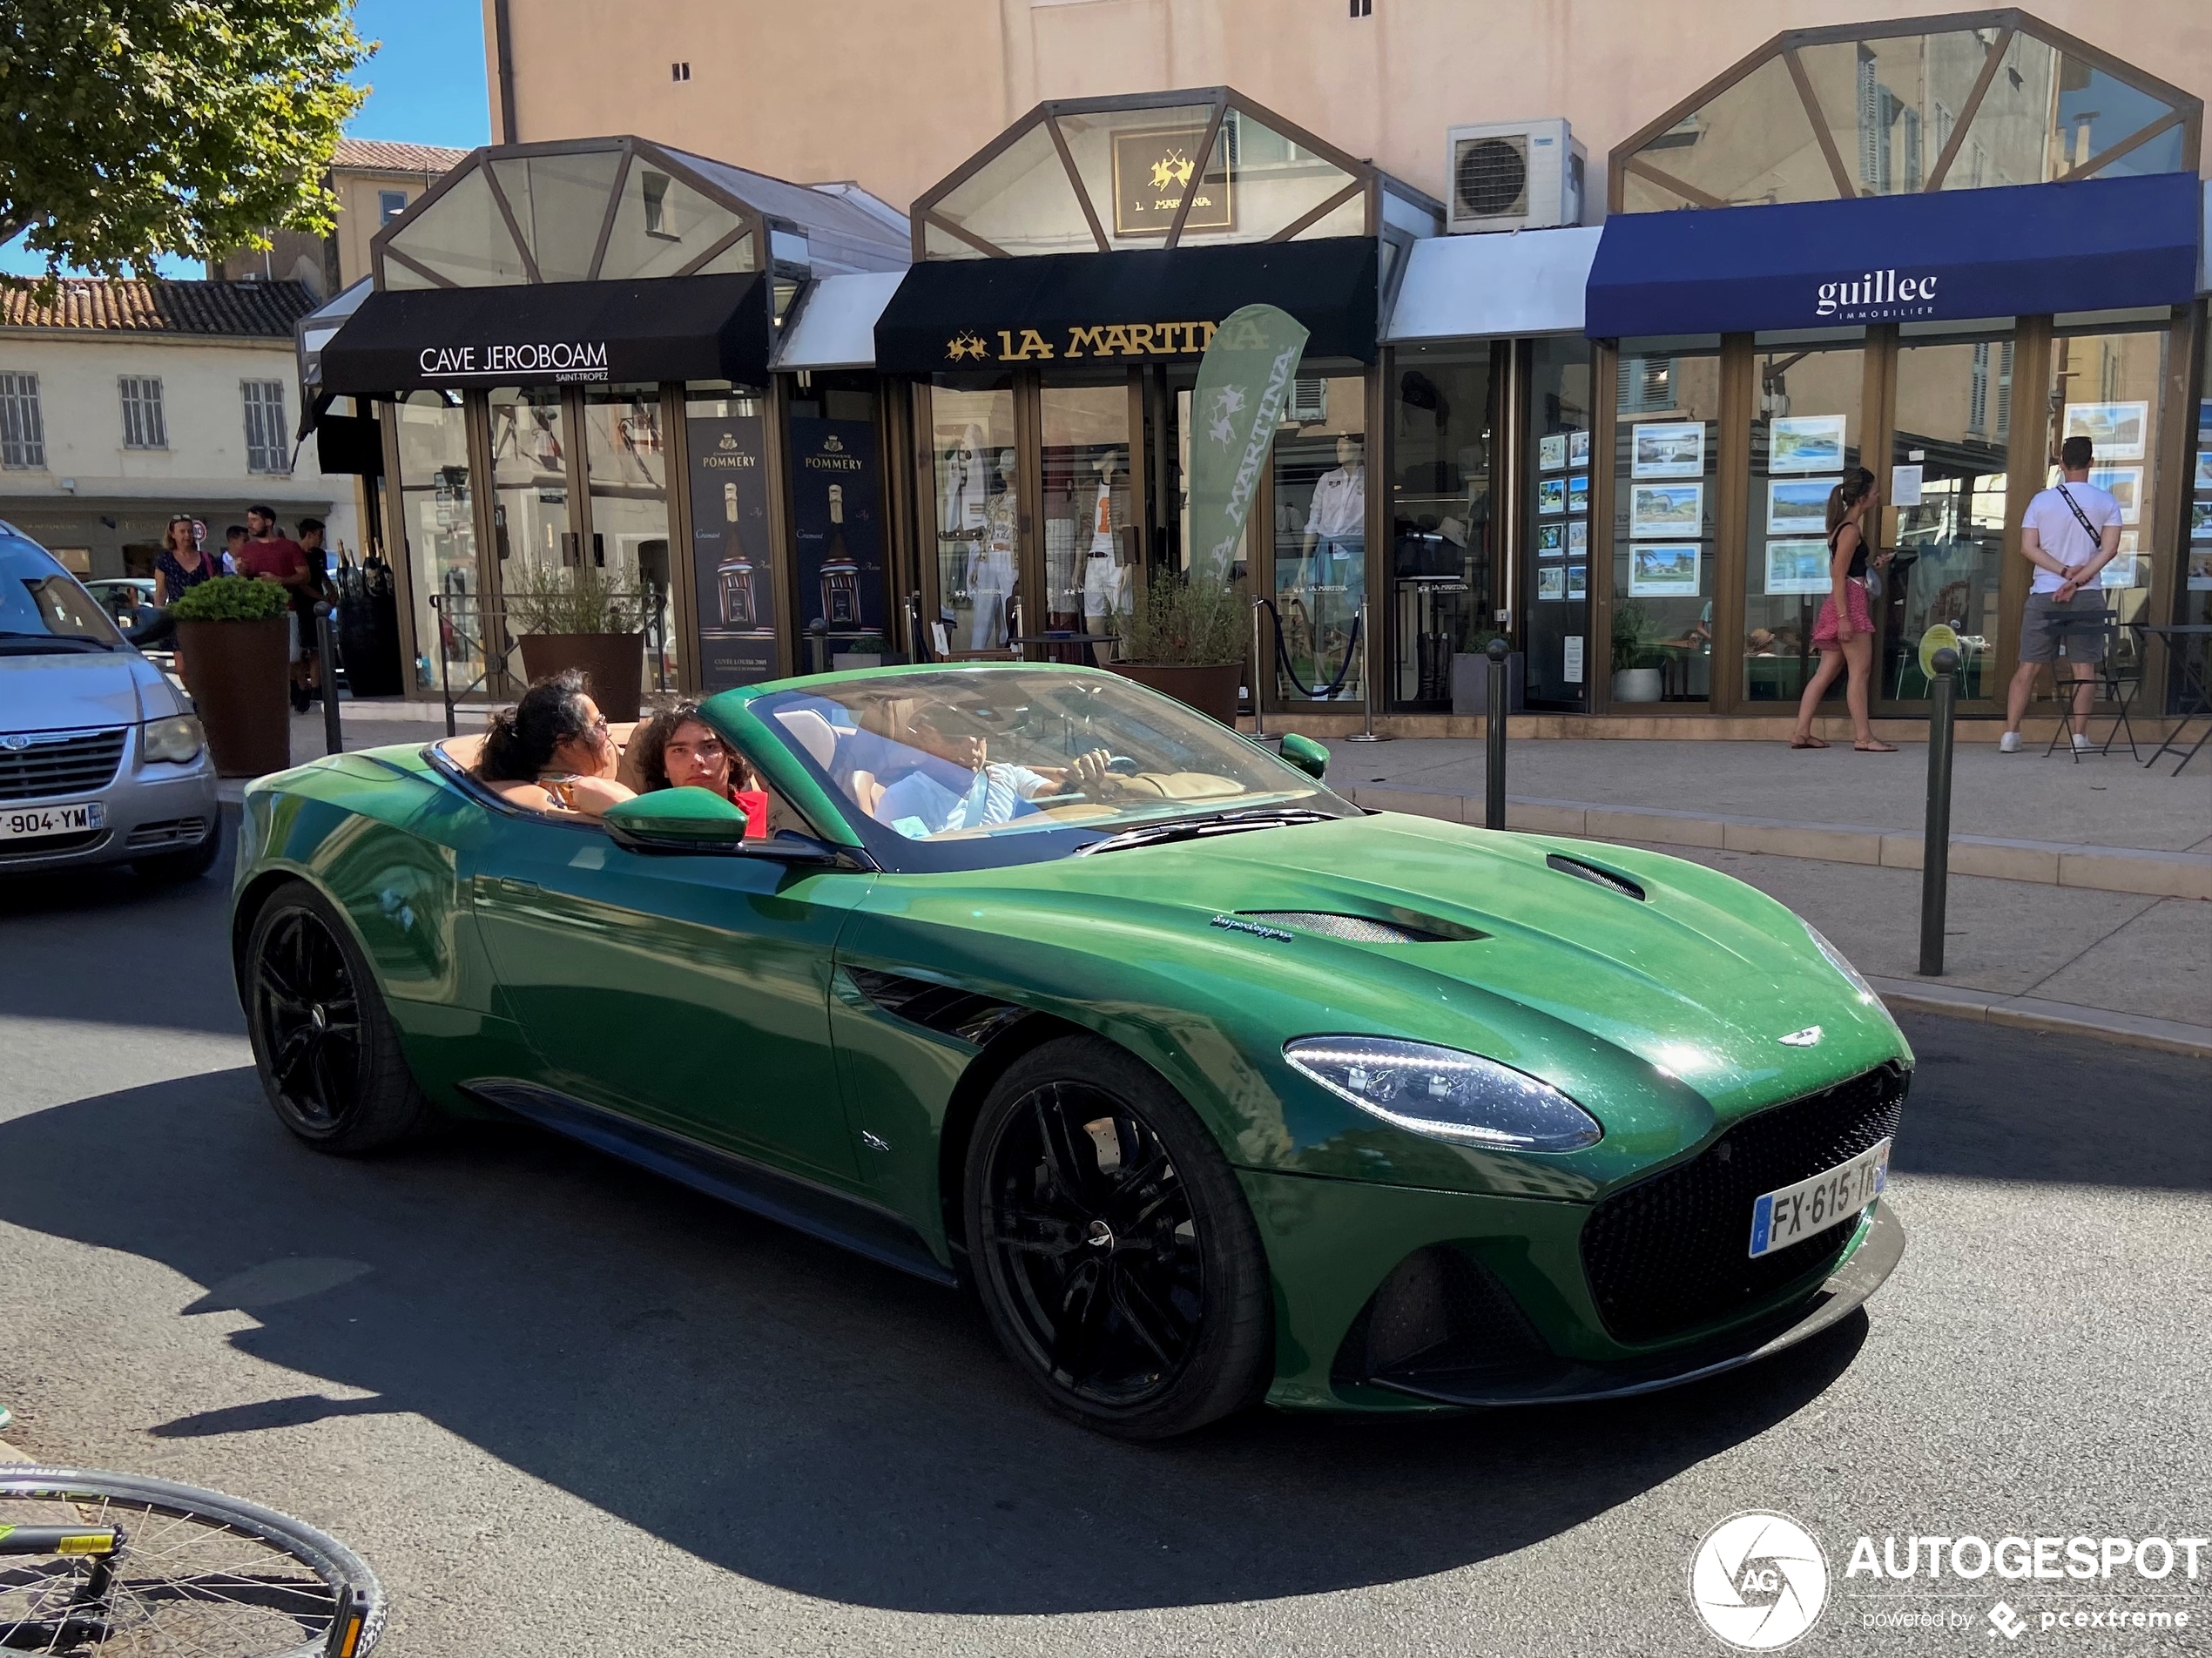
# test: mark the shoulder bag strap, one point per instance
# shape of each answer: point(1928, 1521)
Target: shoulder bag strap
point(2096, 539)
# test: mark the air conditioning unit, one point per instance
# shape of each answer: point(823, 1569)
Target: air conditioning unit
point(1514, 175)
point(1308, 403)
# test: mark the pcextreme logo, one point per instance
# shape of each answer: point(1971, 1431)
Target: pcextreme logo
point(1758, 1581)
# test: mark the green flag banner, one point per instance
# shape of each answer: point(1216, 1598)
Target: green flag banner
point(1243, 380)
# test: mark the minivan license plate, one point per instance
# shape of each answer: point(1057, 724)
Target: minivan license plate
point(1782, 1217)
point(34, 823)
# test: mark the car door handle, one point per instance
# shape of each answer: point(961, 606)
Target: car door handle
point(510, 887)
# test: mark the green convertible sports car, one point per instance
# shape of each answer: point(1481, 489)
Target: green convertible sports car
point(1214, 1086)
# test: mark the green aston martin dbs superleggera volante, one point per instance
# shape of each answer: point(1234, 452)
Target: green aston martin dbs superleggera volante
point(1214, 1086)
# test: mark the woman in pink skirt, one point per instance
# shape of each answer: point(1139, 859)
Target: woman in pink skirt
point(1845, 633)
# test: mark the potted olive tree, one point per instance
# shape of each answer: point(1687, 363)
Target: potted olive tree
point(1635, 663)
point(566, 618)
point(1185, 638)
point(232, 638)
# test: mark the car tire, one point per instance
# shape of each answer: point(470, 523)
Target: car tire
point(325, 1044)
point(1111, 1246)
point(187, 865)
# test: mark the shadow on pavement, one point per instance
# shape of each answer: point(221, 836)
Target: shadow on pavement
point(1993, 1102)
point(782, 1410)
point(61, 961)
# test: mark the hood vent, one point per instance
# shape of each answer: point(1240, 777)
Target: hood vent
point(1611, 879)
point(1363, 929)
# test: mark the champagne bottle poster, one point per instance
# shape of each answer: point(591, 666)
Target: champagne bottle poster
point(838, 524)
point(730, 550)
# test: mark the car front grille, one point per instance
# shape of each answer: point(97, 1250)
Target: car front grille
point(1441, 1314)
point(67, 763)
point(1670, 1253)
point(170, 831)
point(48, 845)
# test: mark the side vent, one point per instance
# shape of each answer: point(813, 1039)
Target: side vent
point(1597, 872)
point(1363, 929)
point(959, 1014)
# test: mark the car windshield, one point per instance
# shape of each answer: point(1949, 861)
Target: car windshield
point(972, 767)
point(42, 608)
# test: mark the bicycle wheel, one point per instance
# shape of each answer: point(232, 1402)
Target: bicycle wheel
point(194, 1574)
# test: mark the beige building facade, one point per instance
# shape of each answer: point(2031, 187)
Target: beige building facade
point(896, 94)
point(376, 181)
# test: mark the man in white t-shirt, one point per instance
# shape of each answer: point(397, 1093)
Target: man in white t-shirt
point(2071, 532)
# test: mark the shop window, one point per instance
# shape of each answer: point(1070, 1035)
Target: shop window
point(2105, 387)
point(626, 470)
point(1443, 557)
point(975, 481)
point(845, 603)
point(1091, 505)
point(437, 530)
point(1321, 544)
point(1556, 511)
point(463, 240)
point(1944, 497)
point(1806, 435)
point(2192, 603)
point(1666, 460)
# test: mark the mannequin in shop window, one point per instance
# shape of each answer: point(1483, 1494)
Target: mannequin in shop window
point(965, 482)
point(991, 565)
point(1336, 551)
point(1105, 580)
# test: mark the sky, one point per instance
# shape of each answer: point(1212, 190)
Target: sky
point(427, 83)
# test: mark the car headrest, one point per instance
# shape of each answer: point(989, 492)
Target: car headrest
point(812, 733)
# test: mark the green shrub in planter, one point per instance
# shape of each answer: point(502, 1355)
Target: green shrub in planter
point(232, 598)
point(551, 599)
point(1178, 622)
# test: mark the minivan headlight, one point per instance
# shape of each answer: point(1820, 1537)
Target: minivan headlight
point(177, 738)
point(1444, 1094)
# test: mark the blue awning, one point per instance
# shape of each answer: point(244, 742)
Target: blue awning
point(2023, 250)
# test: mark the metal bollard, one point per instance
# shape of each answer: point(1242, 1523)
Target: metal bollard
point(1259, 666)
point(1366, 733)
point(333, 739)
point(818, 644)
point(1493, 728)
point(1935, 848)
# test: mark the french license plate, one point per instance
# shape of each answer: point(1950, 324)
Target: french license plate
point(33, 822)
point(1781, 1219)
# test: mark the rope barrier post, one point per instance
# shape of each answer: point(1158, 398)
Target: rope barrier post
point(1493, 730)
point(333, 739)
point(818, 644)
point(1259, 720)
point(1366, 733)
point(1935, 846)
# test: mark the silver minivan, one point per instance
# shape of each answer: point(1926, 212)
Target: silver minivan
point(101, 760)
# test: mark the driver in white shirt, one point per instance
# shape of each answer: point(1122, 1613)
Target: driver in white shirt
point(920, 804)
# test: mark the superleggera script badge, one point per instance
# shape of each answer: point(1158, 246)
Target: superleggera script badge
point(1236, 924)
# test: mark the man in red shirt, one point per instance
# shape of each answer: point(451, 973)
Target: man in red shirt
point(271, 557)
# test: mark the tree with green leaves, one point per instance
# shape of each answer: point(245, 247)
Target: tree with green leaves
point(133, 128)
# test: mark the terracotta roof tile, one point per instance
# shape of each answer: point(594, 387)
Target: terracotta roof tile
point(380, 155)
point(248, 310)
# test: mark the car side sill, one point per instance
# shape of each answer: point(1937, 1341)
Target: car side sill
point(833, 1216)
point(1568, 1382)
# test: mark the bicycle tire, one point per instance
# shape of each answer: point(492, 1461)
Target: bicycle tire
point(348, 1586)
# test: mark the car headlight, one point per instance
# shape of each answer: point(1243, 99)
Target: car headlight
point(177, 738)
point(1444, 1094)
point(1840, 962)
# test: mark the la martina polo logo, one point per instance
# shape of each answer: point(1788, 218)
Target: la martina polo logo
point(1875, 296)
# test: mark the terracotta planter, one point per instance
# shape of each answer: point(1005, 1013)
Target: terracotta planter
point(241, 682)
point(613, 663)
point(1210, 689)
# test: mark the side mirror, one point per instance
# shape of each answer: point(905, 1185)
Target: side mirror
point(678, 820)
point(1306, 754)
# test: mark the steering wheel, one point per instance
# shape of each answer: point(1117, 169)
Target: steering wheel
point(1123, 765)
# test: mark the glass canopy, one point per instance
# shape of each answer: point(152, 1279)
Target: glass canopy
point(1092, 175)
point(1966, 102)
point(614, 209)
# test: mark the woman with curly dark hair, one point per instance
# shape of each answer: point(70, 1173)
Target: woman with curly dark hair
point(552, 751)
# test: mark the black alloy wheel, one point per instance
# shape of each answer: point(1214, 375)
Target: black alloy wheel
point(328, 1053)
point(1112, 1248)
point(308, 1017)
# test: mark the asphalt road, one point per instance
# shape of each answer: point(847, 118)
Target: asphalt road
point(565, 1408)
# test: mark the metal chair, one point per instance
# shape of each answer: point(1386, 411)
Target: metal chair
point(2107, 682)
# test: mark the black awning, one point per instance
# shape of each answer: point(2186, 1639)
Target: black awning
point(676, 328)
point(952, 315)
